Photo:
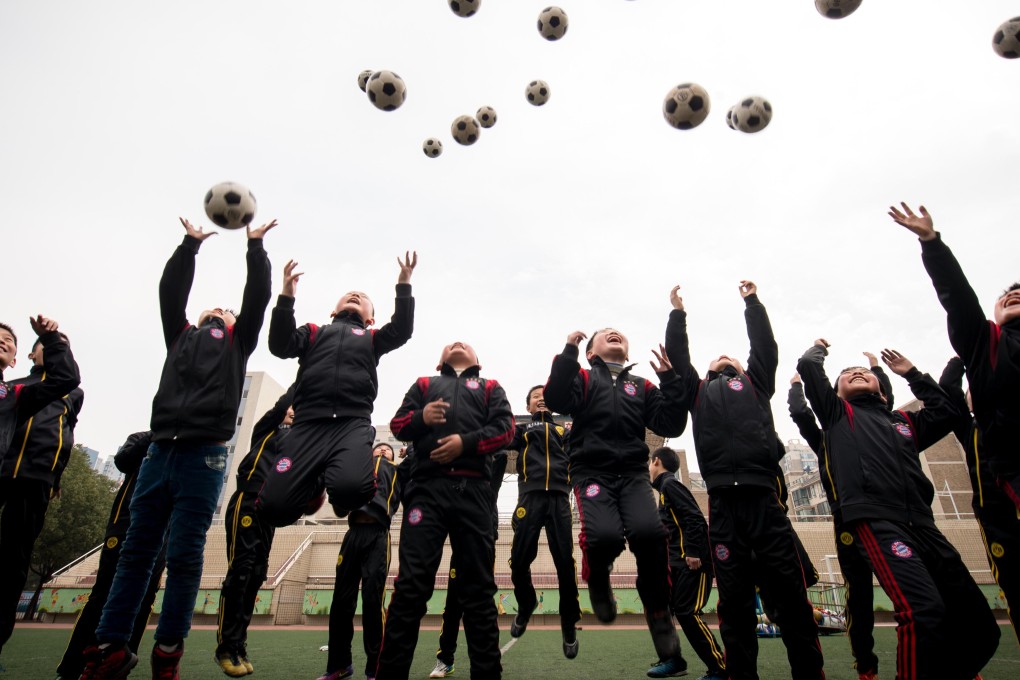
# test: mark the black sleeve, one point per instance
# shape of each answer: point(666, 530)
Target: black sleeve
point(175, 287)
point(886, 383)
point(803, 417)
point(272, 418)
point(679, 353)
point(401, 325)
point(61, 377)
point(517, 443)
point(257, 293)
point(827, 406)
point(498, 470)
point(74, 400)
point(688, 514)
point(939, 415)
point(666, 405)
point(498, 429)
point(286, 340)
point(763, 361)
point(131, 453)
point(564, 390)
point(407, 423)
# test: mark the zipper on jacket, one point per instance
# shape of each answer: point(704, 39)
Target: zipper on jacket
point(546, 456)
point(336, 373)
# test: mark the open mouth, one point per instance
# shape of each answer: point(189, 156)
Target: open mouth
point(858, 379)
point(1011, 302)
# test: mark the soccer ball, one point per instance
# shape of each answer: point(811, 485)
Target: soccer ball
point(729, 118)
point(486, 116)
point(752, 114)
point(1006, 40)
point(464, 8)
point(537, 92)
point(432, 147)
point(465, 130)
point(386, 90)
point(552, 23)
point(686, 106)
point(230, 205)
point(837, 9)
point(363, 78)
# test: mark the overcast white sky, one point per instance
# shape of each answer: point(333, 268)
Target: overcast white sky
point(118, 116)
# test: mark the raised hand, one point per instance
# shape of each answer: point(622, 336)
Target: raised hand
point(576, 337)
point(407, 266)
point(41, 325)
point(896, 362)
point(823, 343)
point(872, 359)
point(675, 299)
point(196, 232)
point(747, 288)
point(795, 380)
point(261, 231)
point(664, 366)
point(922, 225)
point(290, 278)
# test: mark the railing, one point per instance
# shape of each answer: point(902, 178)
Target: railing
point(282, 571)
point(75, 562)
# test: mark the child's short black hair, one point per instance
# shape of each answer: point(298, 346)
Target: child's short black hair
point(1015, 286)
point(11, 331)
point(527, 402)
point(669, 458)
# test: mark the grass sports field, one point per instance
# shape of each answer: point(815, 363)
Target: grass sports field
point(32, 654)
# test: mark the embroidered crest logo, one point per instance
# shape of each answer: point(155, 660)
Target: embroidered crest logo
point(246, 521)
point(560, 430)
point(472, 384)
point(358, 331)
point(592, 490)
point(339, 560)
point(521, 512)
point(453, 573)
point(216, 333)
point(3, 390)
point(283, 464)
point(722, 553)
point(997, 550)
point(414, 516)
point(630, 389)
point(735, 385)
point(905, 430)
point(901, 549)
point(846, 538)
point(112, 542)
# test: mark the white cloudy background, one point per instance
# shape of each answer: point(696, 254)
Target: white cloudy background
point(116, 117)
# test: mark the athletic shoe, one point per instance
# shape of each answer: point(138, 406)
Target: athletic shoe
point(338, 675)
point(603, 603)
point(570, 644)
point(441, 670)
point(868, 675)
point(230, 663)
point(112, 663)
point(242, 656)
point(670, 668)
point(519, 625)
point(166, 665)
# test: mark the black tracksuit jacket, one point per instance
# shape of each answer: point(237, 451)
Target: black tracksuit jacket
point(479, 412)
point(128, 460)
point(388, 492)
point(200, 388)
point(266, 436)
point(872, 453)
point(19, 402)
point(542, 455)
point(990, 352)
point(688, 530)
point(337, 375)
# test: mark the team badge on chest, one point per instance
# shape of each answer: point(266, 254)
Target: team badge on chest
point(216, 333)
point(735, 385)
point(472, 384)
point(3, 390)
point(358, 331)
point(630, 389)
point(283, 464)
point(905, 430)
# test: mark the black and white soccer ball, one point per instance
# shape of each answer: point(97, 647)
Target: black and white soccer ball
point(729, 118)
point(464, 8)
point(486, 116)
point(432, 147)
point(465, 130)
point(752, 114)
point(552, 23)
point(686, 106)
point(386, 90)
point(537, 92)
point(1006, 41)
point(230, 205)
point(837, 9)
point(363, 78)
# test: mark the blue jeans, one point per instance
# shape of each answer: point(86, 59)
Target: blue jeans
point(175, 495)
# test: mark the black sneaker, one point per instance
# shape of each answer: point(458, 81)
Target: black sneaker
point(520, 624)
point(112, 663)
point(570, 645)
point(603, 603)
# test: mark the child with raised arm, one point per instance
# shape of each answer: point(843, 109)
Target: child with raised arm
point(335, 392)
point(611, 408)
point(752, 540)
point(873, 459)
point(457, 421)
point(194, 413)
point(990, 350)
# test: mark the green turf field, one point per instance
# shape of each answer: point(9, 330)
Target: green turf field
point(605, 653)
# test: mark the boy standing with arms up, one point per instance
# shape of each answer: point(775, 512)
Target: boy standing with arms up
point(611, 408)
point(194, 413)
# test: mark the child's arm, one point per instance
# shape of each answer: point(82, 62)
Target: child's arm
point(175, 284)
point(883, 377)
point(763, 361)
point(398, 330)
point(802, 415)
point(564, 391)
point(286, 340)
point(827, 406)
point(968, 327)
point(678, 349)
point(132, 452)
point(492, 438)
point(939, 415)
point(687, 513)
point(415, 417)
point(60, 369)
point(257, 290)
point(665, 406)
point(951, 383)
point(272, 418)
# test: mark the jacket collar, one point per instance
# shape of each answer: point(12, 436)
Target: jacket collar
point(868, 401)
point(470, 372)
point(349, 317)
point(597, 361)
point(660, 480)
point(543, 416)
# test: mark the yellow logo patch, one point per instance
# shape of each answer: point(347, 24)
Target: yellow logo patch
point(560, 430)
point(846, 538)
point(997, 550)
point(521, 512)
point(662, 498)
point(453, 573)
point(339, 560)
point(112, 542)
point(246, 521)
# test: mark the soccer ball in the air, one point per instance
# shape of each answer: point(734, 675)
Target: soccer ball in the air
point(363, 79)
point(1006, 40)
point(464, 8)
point(837, 9)
point(686, 106)
point(432, 147)
point(386, 90)
point(465, 130)
point(729, 118)
point(537, 92)
point(486, 116)
point(552, 23)
point(230, 205)
point(753, 114)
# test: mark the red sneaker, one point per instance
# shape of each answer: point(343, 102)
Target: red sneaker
point(111, 663)
point(165, 665)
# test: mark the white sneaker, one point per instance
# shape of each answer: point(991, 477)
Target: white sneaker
point(441, 670)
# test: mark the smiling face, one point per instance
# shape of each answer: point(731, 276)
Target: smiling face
point(855, 381)
point(723, 361)
point(459, 355)
point(609, 344)
point(8, 349)
point(288, 419)
point(217, 313)
point(536, 400)
point(358, 303)
point(1007, 307)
